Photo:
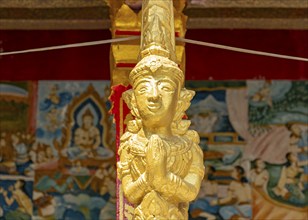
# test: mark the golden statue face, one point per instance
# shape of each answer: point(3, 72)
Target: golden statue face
point(156, 98)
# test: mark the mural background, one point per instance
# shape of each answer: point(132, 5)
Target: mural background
point(254, 138)
point(58, 149)
point(69, 172)
point(17, 118)
point(78, 177)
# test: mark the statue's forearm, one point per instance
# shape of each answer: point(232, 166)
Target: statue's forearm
point(134, 190)
point(179, 188)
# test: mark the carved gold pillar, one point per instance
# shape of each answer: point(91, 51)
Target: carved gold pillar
point(127, 22)
point(160, 165)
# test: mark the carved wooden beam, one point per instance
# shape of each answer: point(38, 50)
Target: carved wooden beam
point(54, 14)
point(51, 3)
point(94, 14)
point(248, 14)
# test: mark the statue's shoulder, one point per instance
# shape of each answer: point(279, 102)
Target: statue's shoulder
point(125, 138)
point(131, 143)
point(193, 136)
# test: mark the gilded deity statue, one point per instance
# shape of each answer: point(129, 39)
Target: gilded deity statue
point(161, 164)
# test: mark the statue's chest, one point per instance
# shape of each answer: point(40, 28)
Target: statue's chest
point(177, 163)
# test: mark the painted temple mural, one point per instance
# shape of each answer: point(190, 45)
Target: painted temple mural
point(64, 168)
point(74, 152)
point(254, 138)
point(17, 135)
point(57, 150)
point(225, 191)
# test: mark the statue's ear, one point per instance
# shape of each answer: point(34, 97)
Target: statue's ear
point(130, 100)
point(183, 103)
point(127, 96)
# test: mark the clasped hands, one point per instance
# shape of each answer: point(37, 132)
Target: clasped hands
point(156, 163)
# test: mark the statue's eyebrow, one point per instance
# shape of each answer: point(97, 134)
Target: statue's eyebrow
point(143, 80)
point(168, 81)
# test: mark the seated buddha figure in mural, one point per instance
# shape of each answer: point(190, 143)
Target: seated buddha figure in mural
point(86, 138)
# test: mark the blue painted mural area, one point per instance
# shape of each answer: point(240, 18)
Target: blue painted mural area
point(66, 168)
point(76, 180)
point(254, 139)
point(57, 150)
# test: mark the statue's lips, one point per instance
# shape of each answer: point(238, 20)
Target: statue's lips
point(154, 106)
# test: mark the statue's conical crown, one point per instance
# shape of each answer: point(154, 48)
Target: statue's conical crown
point(157, 48)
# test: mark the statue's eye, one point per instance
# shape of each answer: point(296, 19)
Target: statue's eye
point(165, 86)
point(142, 89)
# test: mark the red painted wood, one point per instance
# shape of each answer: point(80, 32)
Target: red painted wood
point(203, 63)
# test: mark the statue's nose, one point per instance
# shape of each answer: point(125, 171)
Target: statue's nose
point(154, 95)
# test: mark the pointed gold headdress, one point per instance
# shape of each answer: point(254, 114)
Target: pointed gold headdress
point(157, 48)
